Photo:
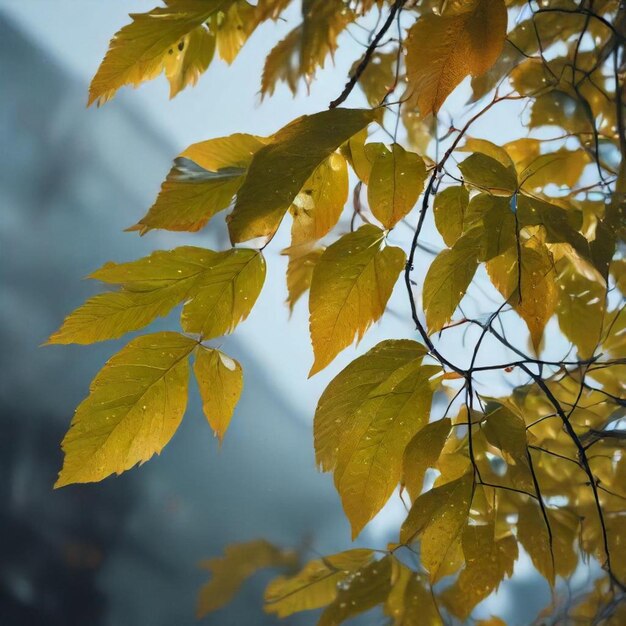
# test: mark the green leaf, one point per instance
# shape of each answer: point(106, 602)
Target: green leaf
point(448, 278)
point(140, 51)
point(438, 517)
point(318, 206)
point(302, 260)
point(280, 169)
point(202, 182)
point(499, 225)
point(240, 561)
point(225, 295)
point(369, 588)
point(316, 585)
point(489, 175)
point(506, 431)
point(135, 405)
point(529, 286)
point(351, 284)
point(449, 208)
point(396, 182)
point(443, 49)
point(220, 381)
point(151, 287)
point(423, 452)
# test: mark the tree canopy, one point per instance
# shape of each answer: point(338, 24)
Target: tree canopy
point(495, 446)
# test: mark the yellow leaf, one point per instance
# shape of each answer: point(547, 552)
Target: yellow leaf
point(225, 294)
point(220, 381)
point(151, 287)
point(378, 77)
point(140, 50)
point(306, 47)
point(189, 59)
point(318, 206)
point(239, 562)
point(561, 167)
point(529, 286)
point(342, 399)
point(369, 588)
point(438, 517)
point(302, 260)
point(317, 585)
point(580, 309)
point(351, 284)
point(396, 181)
point(499, 153)
point(449, 209)
point(487, 562)
point(410, 601)
point(533, 535)
point(489, 175)
point(203, 181)
point(279, 170)
point(232, 27)
point(135, 405)
point(448, 278)
point(443, 49)
point(506, 431)
point(423, 452)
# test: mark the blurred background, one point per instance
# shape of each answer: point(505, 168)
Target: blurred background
point(124, 552)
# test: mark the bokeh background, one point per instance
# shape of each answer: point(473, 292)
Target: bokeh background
point(125, 552)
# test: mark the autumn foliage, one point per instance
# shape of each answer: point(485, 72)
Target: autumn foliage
point(534, 226)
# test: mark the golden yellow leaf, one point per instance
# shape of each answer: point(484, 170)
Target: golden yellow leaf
point(351, 284)
point(139, 51)
point(151, 287)
point(225, 294)
point(232, 26)
point(438, 517)
point(316, 585)
point(279, 170)
point(135, 405)
point(423, 452)
point(411, 601)
point(220, 381)
point(449, 209)
point(499, 153)
point(318, 206)
point(443, 49)
point(395, 183)
point(488, 174)
point(302, 260)
point(189, 59)
point(506, 431)
point(342, 398)
point(532, 533)
point(239, 562)
point(369, 587)
point(529, 286)
point(203, 181)
point(448, 278)
point(561, 167)
point(378, 77)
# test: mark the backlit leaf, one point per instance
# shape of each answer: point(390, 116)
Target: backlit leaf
point(135, 405)
point(443, 49)
point(448, 278)
point(351, 284)
point(529, 286)
point(488, 174)
point(140, 50)
point(220, 381)
point(225, 295)
point(532, 533)
point(318, 206)
point(369, 587)
point(302, 260)
point(449, 209)
point(240, 561)
point(423, 452)
point(438, 517)
point(280, 169)
point(395, 183)
point(317, 585)
point(506, 431)
point(232, 26)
